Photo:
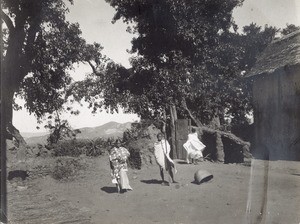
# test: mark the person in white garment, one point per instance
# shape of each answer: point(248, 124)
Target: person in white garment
point(194, 148)
point(162, 156)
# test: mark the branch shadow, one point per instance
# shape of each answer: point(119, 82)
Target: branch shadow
point(109, 190)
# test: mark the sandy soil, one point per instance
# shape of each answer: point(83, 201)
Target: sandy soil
point(233, 196)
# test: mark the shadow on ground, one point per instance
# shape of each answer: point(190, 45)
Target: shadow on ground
point(181, 162)
point(109, 190)
point(153, 181)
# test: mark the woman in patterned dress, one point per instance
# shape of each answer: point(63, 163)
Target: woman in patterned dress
point(118, 162)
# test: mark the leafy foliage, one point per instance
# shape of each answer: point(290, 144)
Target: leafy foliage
point(290, 28)
point(187, 55)
point(40, 47)
point(66, 168)
point(59, 130)
point(77, 147)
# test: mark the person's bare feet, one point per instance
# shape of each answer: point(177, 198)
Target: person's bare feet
point(164, 183)
point(118, 188)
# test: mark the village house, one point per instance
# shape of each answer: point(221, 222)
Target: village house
point(276, 100)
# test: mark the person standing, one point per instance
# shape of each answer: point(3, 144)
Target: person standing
point(162, 156)
point(118, 163)
point(194, 148)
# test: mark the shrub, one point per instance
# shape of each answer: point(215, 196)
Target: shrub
point(68, 148)
point(77, 147)
point(66, 168)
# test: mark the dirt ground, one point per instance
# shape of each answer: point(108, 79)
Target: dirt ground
point(234, 196)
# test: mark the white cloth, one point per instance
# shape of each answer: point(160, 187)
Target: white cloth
point(194, 146)
point(124, 182)
point(162, 154)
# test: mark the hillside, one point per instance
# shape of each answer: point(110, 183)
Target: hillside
point(110, 129)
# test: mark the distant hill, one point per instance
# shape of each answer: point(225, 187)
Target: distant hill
point(33, 134)
point(111, 129)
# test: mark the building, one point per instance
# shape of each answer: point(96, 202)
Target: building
point(276, 100)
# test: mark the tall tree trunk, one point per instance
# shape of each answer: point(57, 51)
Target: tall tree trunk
point(215, 123)
point(13, 73)
point(8, 95)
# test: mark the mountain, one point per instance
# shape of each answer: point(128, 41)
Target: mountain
point(110, 129)
point(26, 135)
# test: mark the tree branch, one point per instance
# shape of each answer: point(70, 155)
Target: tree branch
point(97, 73)
point(7, 21)
point(31, 37)
point(197, 122)
point(245, 145)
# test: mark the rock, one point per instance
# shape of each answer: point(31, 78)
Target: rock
point(22, 188)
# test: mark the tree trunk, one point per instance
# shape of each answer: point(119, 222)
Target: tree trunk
point(21, 143)
point(215, 123)
point(12, 75)
point(11, 130)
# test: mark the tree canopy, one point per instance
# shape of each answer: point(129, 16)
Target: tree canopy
point(188, 55)
point(40, 47)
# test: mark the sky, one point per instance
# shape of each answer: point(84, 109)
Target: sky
point(94, 18)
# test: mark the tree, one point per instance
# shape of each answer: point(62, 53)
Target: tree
point(40, 46)
point(179, 40)
point(188, 63)
point(59, 129)
point(177, 48)
point(290, 28)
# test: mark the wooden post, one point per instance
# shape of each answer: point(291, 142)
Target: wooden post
point(173, 115)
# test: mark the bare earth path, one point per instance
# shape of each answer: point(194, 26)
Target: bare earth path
point(91, 197)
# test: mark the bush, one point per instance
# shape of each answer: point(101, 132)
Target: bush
point(66, 168)
point(77, 147)
point(135, 160)
point(68, 148)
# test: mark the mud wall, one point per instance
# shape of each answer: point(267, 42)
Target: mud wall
point(276, 99)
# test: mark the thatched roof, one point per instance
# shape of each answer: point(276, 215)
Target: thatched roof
point(280, 53)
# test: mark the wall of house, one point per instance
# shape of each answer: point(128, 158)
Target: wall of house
point(276, 99)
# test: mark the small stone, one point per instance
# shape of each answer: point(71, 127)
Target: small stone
point(21, 188)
